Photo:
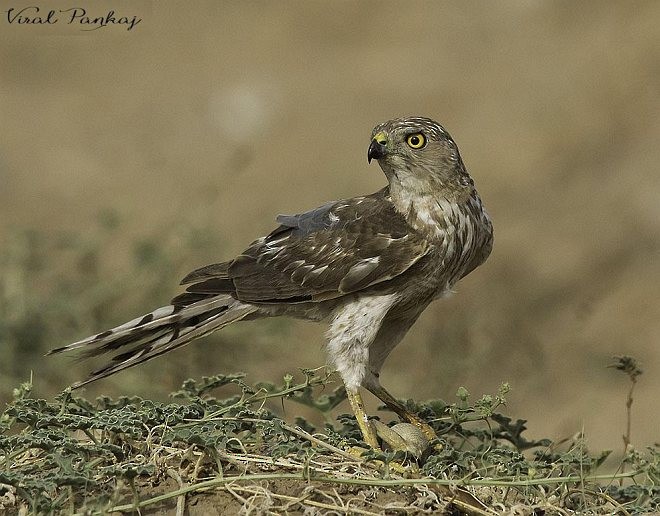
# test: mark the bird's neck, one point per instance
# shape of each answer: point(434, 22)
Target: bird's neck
point(430, 208)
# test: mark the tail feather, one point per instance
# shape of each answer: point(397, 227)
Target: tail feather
point(158, 332)
point(160, 317)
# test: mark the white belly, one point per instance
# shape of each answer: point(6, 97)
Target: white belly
point(351, 332)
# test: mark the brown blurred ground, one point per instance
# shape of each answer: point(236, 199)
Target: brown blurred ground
point(221, 115)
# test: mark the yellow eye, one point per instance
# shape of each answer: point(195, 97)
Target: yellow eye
point(416, 141)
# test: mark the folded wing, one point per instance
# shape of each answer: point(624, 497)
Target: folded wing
point(337, 249)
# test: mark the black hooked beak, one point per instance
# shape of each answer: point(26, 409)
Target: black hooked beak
point(376, 150)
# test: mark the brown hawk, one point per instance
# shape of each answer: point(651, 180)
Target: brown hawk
point(368, 265)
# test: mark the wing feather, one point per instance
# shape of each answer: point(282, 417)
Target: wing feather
point(339, 248)
point(217, 270)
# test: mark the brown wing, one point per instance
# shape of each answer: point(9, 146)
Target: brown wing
point(339, 248)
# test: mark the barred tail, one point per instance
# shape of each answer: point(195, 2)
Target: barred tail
point(158, 332)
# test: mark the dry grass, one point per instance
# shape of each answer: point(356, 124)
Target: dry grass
point(202, 454)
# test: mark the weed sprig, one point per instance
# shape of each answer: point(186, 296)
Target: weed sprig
point(73, 454)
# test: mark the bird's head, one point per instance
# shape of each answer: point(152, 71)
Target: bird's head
point(415, 152)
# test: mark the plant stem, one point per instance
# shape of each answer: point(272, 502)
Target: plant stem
point(216, 482)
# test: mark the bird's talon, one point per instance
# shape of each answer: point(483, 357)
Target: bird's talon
point(358, 452)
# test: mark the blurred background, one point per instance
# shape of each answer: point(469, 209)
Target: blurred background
point(128, 158)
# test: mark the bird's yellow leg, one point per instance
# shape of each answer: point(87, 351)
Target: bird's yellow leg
point(368, 432)
point(402, 411)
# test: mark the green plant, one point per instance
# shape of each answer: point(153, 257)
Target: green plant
point(80, 456)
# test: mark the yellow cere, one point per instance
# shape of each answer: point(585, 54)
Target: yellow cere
point(416, 141)
point(380, 137)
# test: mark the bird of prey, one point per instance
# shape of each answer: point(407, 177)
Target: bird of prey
point(367, 265)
